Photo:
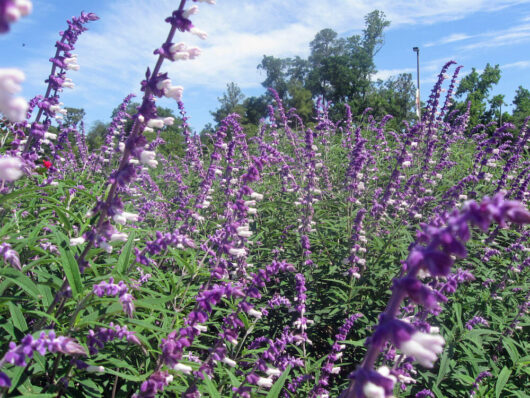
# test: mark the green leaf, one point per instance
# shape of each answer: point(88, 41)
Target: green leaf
point(125, 376)
point(69, 263)
point(511, 349)
point(17, 317)
point(210, 387)
point(457, 310)
point(234, 381)
point(275, 390)
point(502, 380)
point(21, 281)
point(26, 192)
point(444, 367)
point(125, 255)
point(358, 343)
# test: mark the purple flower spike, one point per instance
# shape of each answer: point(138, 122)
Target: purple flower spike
point(177, 20)
point(156, 383)
point(5, 382)
point(11, 11)
point(476, 320)
point(424, 394)
point(10, 256)
point(18, 354)
point(121, 290)
point(417, 291)
point(371, 383)
point(478, 380)
point(432, 252)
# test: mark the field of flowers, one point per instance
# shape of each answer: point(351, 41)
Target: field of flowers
point(321, 260)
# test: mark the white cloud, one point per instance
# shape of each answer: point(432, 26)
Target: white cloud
point(452, 38)
point(513, 35)
point(240, 33)
point(116, 50)
point(387, 73)
point(431, 12)
point(517, 65)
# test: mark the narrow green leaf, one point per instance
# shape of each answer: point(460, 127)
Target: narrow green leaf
point(276, 389)
point(69, 263)
point(211, 388)
point(234, 381)
point(444, 367)
point(457, 310)
point(17, 317)
point(19, 192)
point(125, 255)
point(21, 281)
point(511, 349)
point(502, 380)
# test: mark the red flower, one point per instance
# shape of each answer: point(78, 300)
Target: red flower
point(47, 163)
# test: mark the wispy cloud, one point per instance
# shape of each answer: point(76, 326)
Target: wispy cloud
point(452, 38)
point(517, 65)
point(241, 32)
point(114, 53)
point(387, 73)
point(514, 35)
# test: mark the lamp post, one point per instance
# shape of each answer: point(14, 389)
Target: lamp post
point(418, 103)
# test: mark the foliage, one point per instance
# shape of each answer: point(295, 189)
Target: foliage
point(229, 103)
point(150, 261)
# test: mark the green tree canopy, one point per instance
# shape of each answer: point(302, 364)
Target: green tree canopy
point(476, 88)
point(522, 105)
point(74, 116)
point(230, 102)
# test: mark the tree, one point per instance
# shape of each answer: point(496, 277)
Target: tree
point(476, 88)
point(301, 99)
point(371, 44)
point(74, 116)
point(230, 102)
point(395, 97)
point(276, 71)
point(325, 48)
point(339, 69)
point(495, 111)
point(96, 135)
point(256, 108)
point(342, 68)
point(522, 105)
point(298, 69)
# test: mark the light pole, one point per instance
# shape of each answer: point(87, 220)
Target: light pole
point(418, 103)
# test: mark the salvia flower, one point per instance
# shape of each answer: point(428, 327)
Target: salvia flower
point(47, 342)
point(424, 394)
point(336, 352)
point(434, 253)
point(9, 255)
point(112, 289)
point(10, 168)
point(11, 11)
point(156, 383)
point(14, 108)
point(96, 340)
point(476, 320)
point(476, 384)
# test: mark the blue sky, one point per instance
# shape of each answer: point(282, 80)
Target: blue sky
point(116, 50)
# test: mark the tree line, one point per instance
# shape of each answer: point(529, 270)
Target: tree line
point(341, 71)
